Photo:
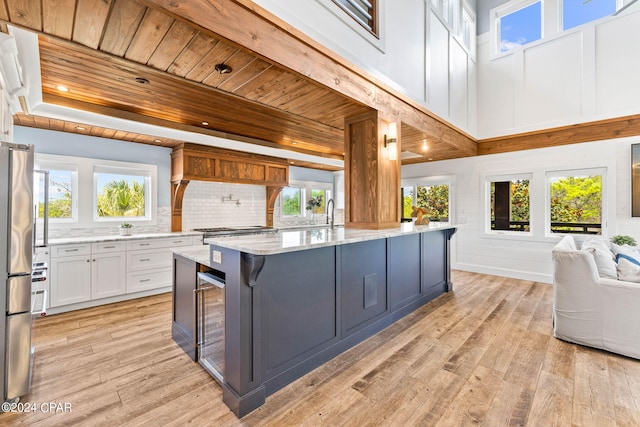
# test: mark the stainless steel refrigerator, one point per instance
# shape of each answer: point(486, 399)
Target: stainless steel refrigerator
point(16, 251)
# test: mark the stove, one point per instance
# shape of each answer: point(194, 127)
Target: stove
point(234, 231)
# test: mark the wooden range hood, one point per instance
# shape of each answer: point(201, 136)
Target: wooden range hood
point(193, 162)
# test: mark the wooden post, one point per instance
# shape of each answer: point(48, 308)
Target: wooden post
point(272, 196)
point(372, 181)
point(177, 194)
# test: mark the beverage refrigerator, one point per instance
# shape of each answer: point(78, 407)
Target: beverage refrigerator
point(16, 251)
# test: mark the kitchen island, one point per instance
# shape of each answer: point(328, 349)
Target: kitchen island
point(296, 299)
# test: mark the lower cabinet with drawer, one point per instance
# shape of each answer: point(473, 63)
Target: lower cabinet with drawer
point(90, 274)
point(87, 271)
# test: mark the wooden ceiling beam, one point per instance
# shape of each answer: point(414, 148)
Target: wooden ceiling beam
point(600, 130)
point(245, 24)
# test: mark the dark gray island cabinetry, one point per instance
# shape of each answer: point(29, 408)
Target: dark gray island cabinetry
point(296, 299)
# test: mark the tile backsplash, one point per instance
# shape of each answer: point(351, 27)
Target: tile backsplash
point(163, 226)
point(217, 204)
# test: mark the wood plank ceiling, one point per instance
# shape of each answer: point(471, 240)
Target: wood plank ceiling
point(102, 50)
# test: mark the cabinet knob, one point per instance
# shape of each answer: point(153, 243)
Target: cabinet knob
point(88, 260)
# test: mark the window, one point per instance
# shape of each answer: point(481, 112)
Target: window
point(433, 193)
point(468, 27)
point(290, 199)
point(575, 201)
point(435, 198)
point(90, 192)
point(519, 22)
point(363, 11)
point(578, 12)
point(521, 26)
point(318, 201)
point(509, 204)
point(63, 191)
point(305, 199)
point(120, 194)
point(407, 202)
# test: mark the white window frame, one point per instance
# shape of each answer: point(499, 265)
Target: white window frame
point(429, 181)
point(551, 24)
point(589, 171)
point(305, 194)
point(131, 169)
point(84, 198)
point(48, 162)
point(486, 182)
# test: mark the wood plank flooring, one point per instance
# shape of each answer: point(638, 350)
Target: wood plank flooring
point(481, 355)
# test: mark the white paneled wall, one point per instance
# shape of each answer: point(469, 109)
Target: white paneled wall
point(528, 257)
point(586, 74)
point(203, 206)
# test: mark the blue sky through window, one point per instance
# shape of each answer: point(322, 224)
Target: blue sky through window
point(521, 27)
point(578, 12)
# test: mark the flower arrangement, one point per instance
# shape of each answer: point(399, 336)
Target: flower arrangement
point(314, 202)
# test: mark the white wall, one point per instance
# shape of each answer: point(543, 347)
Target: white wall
point(586, 74)
point(415, 52)
point(528, 257)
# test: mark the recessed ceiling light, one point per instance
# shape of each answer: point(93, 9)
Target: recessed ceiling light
point(80, 128)
point(62, 88)
point(294, 143)
point(142, 80)
point(430, 158)
point(157, 140)
point(291, 162)
point(205, 123)
point(223, 68)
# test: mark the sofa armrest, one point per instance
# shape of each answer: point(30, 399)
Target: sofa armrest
point(621, 316)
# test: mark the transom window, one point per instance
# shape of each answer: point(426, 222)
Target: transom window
point(363, 11)
point(521, 26)
point(520, 22)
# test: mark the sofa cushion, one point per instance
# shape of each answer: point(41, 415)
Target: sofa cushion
point(605, 261)
point(628, 258)
point(625, 249)
point(628, 271)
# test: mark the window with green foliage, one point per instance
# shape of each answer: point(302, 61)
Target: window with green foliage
point(509, 203)
point(320, 198)
point(120, 196)
point(61, 195)
point(575, 201)
point(407, 202)
point(290, 198)
point(435, 198)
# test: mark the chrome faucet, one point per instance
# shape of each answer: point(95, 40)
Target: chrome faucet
point(333, 211)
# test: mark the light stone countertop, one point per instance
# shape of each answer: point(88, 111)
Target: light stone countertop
point(298, 240)
point(116, 237)
point(199, 253)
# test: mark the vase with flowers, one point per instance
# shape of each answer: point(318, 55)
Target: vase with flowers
point(314, 203)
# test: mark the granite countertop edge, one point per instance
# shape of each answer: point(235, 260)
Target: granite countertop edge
point(285, 241)
point(116, 237)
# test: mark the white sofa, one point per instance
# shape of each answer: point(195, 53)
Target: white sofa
point(590, 310)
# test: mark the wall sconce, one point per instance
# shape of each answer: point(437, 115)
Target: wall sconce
point(391, 141)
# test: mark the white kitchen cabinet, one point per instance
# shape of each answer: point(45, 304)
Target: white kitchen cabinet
point(85, 273)
point(6, 117)
point(70, 279)
point(108, 270)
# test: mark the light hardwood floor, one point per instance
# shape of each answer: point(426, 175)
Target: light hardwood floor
point(481, 355)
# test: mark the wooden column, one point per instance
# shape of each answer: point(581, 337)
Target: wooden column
point(372, 181)
point(177, 194)
point(272, 196)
